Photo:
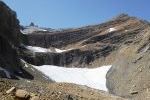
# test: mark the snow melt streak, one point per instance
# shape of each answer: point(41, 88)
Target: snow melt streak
point(94, 78)
point(37, 49)
point(40, 49)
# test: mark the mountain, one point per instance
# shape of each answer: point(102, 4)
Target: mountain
point(108, 61)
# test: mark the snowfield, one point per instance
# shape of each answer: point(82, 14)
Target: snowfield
point(94, 78)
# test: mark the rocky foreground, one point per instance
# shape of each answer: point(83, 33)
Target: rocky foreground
point(123, 42)
point(25, 90)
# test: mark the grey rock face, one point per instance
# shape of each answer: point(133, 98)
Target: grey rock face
point(10, 37)
point(129, 76)
point(75, 57)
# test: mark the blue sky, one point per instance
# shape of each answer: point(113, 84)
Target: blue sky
point(76, 13)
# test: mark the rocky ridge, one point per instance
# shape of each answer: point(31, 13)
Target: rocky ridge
point(90, 46)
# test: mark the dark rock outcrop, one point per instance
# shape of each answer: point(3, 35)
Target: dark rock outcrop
point(72, 58)
point(9, 43)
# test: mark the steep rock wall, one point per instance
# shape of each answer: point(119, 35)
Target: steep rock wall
point(10, 37)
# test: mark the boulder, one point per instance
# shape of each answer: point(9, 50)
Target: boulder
point(22, 94)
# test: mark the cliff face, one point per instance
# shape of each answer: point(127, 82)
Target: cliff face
point(10, 36)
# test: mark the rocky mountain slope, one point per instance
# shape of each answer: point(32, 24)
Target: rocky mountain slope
point(123, 43)
point(129, 75)
point(87, 46)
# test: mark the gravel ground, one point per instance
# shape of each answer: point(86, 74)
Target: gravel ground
point(53, 91)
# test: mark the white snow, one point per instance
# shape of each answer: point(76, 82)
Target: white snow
point(111, 29)
point(23, 32)
point(40, 49)
point(32, 29)
point(94, 78)
point(60, 51)
point(6, 72)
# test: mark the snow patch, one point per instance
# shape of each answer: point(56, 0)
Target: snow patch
point(31, 29)
point(60, 51)
point(23, 32)
point(6, 72)
point(40, 49)
point(25, 64)
point(94, 78)
point(111, 29)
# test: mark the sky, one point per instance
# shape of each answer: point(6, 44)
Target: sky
point(75, 13)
